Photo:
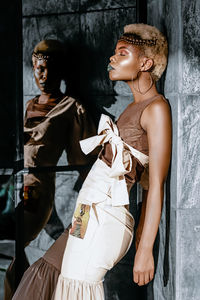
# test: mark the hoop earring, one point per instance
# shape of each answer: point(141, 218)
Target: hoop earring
point(138, 90)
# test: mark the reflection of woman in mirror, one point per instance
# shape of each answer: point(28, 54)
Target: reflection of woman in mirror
point(102, 226)
point(53, 123)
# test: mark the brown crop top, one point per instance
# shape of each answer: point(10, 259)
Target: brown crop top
point(133, 134)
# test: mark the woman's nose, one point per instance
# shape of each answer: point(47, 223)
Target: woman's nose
point(44, 75)
point(112, 58)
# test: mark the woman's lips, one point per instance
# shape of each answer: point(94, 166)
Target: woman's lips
point(109, 68)
point(42, 83)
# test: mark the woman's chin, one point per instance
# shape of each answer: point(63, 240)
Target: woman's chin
point(113, 77)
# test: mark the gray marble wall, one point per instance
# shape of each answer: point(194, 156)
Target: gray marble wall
point(180, 21)
point(90, 29)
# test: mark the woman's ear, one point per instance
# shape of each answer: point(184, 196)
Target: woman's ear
point(146, 64)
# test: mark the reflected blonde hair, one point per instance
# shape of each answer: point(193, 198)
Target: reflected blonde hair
point(48, 50)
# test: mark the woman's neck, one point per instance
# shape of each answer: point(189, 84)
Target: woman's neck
point(46, 98)
point(139, 97)
point(143, 87)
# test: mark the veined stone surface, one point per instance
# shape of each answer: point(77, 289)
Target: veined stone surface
point(190, 149)
point(2, 275)
point(66, 196)
point(188, 260)
point(106, 4)
point(38, 247)
point(191, 41)
point(43, 7)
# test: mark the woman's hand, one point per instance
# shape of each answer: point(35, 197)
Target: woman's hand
point(143, 270)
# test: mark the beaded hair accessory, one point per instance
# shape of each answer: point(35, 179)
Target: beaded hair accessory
point(134, 39)
point(41, 56)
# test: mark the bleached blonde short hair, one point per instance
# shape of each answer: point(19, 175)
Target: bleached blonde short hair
point(152, 42)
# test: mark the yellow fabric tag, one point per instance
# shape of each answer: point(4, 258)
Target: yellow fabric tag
point(81, 218)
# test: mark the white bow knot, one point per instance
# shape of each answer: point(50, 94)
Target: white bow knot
point(121, 160)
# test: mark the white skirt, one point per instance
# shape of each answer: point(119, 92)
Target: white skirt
point(101, 235)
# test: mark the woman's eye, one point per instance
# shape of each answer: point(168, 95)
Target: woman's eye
point(122, 53)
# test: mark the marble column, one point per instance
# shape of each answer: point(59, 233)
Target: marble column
point(180, 21)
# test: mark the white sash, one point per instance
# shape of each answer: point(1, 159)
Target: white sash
point(121, 160)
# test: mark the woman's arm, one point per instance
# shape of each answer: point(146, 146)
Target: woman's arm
point(156, 120)
point(140, 226)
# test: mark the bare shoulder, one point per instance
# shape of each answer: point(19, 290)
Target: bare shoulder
point(156, 111)
point(158, 105)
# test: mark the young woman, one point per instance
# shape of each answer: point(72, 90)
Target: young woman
point(135, 149)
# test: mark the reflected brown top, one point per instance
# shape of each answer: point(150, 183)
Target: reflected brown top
point(49, 130)
point(131, 132)
point(35, 109)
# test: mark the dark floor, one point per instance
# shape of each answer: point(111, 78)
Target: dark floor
point(7, 249)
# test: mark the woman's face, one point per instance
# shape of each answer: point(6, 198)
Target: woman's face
point(125, 63)
point(46, 76)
